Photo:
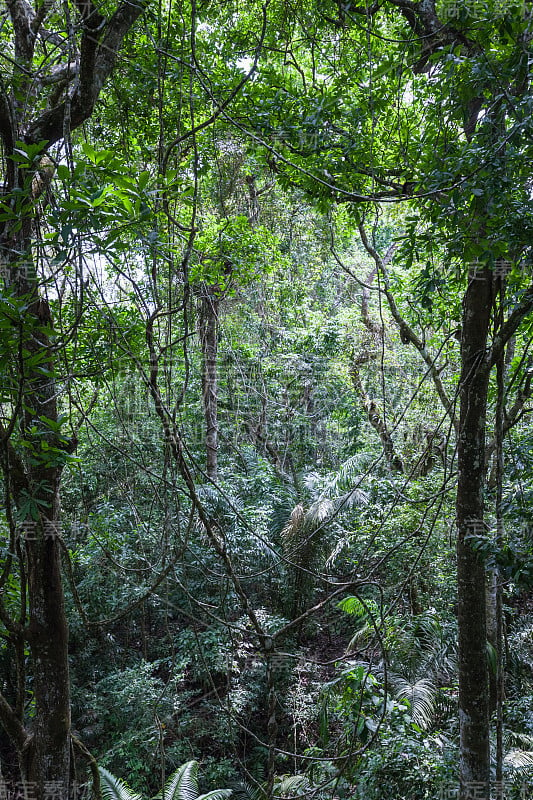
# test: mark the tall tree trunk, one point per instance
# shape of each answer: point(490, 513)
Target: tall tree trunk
point(473, 670)
point(33, 468)
point(48, 641)
point(209, 307)
point(33, 450)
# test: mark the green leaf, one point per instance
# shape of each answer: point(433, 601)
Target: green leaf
point(183, 784)
point(216, 794)
point(115, 788)
point(89, 151)
point(144, 177)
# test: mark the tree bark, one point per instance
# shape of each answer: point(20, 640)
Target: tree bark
point(33, 475)
point(473, 669)
point(32, 448)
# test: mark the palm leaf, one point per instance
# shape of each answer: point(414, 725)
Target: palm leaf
point(522, 740)
point(245, 791)
point(114, 788)
point(353, 497)
point(291, 785)
point(216, 794)
point(319, 512)
point(345, 477)
point(291, 533)
point(183, 783)
point(519, 759)
point(421, 697)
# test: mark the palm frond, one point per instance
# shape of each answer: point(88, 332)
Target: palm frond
point(420, 695)
point(291, 785)
point(318, 512)
point(524, 740)
point(353, 497)
point(361, 637)
point(313, 482)
point(183, 783)
point(291, 533)
point(245, 791)
point(114, 788)
point(281, 506)
point(519, 759)
point(216, 794)
point(427, 628)
point(341, 543)
point(346, 476)
point(421, 646)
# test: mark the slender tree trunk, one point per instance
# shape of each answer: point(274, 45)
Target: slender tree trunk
point(473, 671)
point(33, 450)
point(48, 640)
point(499, 540)
point(33, 476)
point(209, 307)
point(491, 594)
point(375, 418)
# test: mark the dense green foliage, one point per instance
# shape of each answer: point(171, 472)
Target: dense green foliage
point(262, 243)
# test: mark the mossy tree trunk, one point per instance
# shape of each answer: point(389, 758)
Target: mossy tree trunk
point(473, 669)
point(41, 101)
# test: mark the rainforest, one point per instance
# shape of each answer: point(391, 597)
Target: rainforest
point(266, 445)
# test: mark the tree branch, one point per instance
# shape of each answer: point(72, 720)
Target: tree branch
point(60, 72)
point(511, 325)
point(12, 725)
point(97, 60)
point(434, 34)
point(378, 423)
point(22, 16)
point(513, 415)
point(407, 334)
point(7, 133)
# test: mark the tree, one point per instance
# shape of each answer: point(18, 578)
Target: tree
point(426, 109)
point(182, 785)
point(355, 106)
point(57, 71)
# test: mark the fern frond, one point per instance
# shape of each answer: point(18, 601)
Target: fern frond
point(354, 606)
point(183, 783)
point(114, 788)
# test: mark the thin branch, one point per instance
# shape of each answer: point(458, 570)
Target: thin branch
point(511, 325)
point(97, 61)
point(407, 334)
point(225, 103)
point(377, 422)
point(175, 443)
point(12, 725)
